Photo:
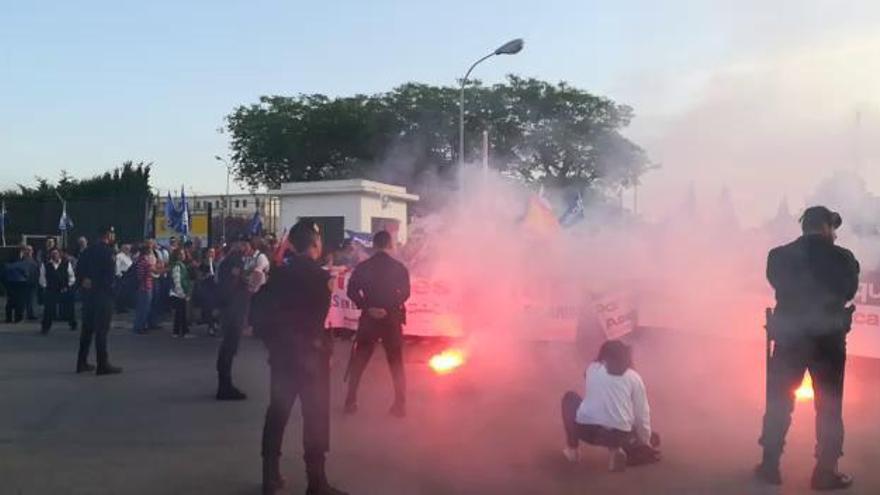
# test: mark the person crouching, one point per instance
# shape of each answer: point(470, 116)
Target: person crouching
point(614, 414)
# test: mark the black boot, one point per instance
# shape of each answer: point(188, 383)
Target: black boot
point(108, 369)
point(272, 479)
point(318, 484)
point(826, 478)
point(227, 391)
point(84, 367)
point(768, 470)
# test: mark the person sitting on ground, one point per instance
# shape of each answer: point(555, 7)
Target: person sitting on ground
point(615, 412)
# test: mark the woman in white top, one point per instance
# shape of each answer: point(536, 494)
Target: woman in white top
point(614, 413)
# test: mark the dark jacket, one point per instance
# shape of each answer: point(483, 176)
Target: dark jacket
point(814, 280)
point(231, 280)
point(381, 282)
point(97, 264)
point(57, 279)
point(290, 310)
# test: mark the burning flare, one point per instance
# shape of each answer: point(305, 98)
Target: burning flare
point(805, 391)
point(447, 361)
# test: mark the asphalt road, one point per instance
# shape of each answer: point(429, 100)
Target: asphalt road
point(492, 428)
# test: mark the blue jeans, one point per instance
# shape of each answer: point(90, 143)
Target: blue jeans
point(143, 301)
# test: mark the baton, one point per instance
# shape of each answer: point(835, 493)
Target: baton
point(768, 349)
point(350, 360)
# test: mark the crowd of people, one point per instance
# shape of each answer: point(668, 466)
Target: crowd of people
point(282, 290)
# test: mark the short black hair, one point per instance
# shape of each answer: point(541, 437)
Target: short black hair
point(815, 217)
point(617, 357)
point(303, 235)
point(382, 240)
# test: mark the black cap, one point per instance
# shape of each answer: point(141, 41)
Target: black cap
point(103, 229)
point(815, 216)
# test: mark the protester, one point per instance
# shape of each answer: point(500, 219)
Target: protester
point(81, 244)
point(68, 306)
point(95, 272)
point(614, 412)
point(379, 287)
point(257, 265)
point(207, 290)
point(160, 290)
point(814, 281)
point(48, 245)
point(124, 262)
point(234, 303)
point(289, 316)
point(144, 270)
point(33, 279)
point(57, 281)
point(346, 255)
point(180, 292)
point(15, 279)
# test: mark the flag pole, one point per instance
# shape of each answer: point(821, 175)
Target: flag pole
point(3, 219)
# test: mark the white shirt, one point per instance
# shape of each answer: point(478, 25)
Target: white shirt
point(618, 402)
point(123, 263)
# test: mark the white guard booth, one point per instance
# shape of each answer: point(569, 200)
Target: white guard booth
point(356, 205)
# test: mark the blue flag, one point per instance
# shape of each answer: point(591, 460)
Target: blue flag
point(172, 218)
point(256, 227)
point(3, 222)
point(64, 223)
point(365, 240)
point(184, 214)
point(574, 213)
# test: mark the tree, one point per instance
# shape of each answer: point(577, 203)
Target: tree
point(539, 132)
point(119, 197)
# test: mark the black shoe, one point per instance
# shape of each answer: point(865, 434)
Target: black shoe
point(108, 370)
point(768, 474)
point(85, 368)
point(272, 479)
point(73, 327)
point(398, 410)
point(324, 489)
point(350, 408)
point(830, 479)
point(230, 393)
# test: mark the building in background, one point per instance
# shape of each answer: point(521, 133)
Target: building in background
point(356, 205)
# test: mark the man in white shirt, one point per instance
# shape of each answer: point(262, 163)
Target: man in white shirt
point(614, 413)
point(123, 260)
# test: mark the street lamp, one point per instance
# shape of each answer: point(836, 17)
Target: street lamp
point(510, 48)
point(226, 201)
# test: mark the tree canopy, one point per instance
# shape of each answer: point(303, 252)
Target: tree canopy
point(553, 134)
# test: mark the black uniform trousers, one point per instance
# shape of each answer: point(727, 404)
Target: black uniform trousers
point(232, 320)
point(825, 358)
point(15, 301)
point(97, 311)
point(57, 306)
point(30, 293)
point(306, 376)
point(369, 332)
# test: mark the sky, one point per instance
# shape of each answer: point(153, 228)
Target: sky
point(759, 97)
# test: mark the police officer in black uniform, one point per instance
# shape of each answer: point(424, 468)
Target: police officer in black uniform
point(379, 287)
point(96, 272)
point(288, 314)
point(234, 306)
point(814, 281)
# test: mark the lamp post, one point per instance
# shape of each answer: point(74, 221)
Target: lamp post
point(510, 48)
point(226, 200)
